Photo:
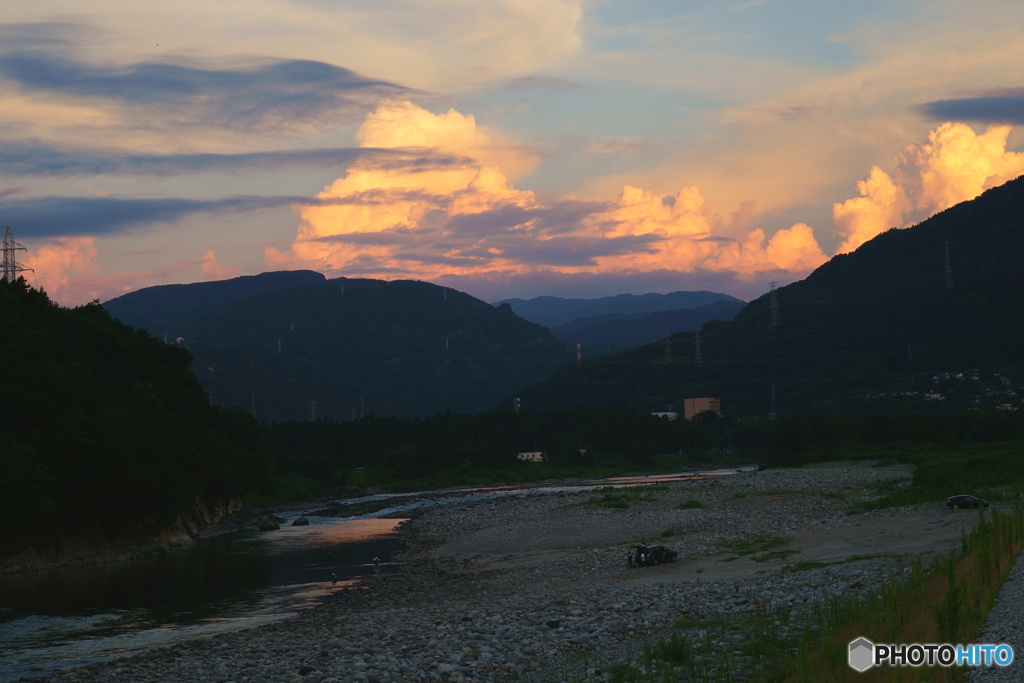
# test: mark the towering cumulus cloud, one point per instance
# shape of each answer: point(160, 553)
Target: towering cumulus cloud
point(956, 164)
point(467, 218)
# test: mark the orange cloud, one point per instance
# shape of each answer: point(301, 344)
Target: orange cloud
point(955, 165)
point(65, 267)
point(214, 271)
point(467, 217)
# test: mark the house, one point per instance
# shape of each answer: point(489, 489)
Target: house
point(695, 406)
point(531, 456)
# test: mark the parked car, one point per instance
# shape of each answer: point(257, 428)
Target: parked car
point(653, 555)
point(965, 502)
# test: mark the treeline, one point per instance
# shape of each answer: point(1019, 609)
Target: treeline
point(461, 449)
point(103, 429)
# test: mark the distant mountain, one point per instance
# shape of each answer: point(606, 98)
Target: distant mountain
point(553, 311)
point(168, 309)
point(351, 346)
point(877, 321)
point(602, 335)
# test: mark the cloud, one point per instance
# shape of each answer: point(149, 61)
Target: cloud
point(273, 94)
point(214, 271)
point(470, 219)
point(541, 82)
point(954, 165)
point(39, 159)
point(8, 191)
point(1005, 105)
point(66, 268)
point(42, 217)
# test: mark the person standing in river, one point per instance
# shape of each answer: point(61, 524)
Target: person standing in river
point(376, 565)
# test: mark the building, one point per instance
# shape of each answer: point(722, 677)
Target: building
point(670, 415)
point(531, 456)
point(694, 406)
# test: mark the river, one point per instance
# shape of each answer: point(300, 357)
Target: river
point(71, 616)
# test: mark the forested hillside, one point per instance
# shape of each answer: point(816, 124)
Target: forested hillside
point(879, 320)
point(104, 428)
point(354, 347)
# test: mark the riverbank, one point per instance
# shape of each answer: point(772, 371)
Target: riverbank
point(536, 586)
point(98, 548)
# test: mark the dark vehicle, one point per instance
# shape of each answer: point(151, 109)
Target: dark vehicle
point(965, 502)
point(653, 555)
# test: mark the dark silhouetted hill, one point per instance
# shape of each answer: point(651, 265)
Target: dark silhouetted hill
point(602, 335)
point(168, 309)
point(877, 320)
point(354, 346)
point(553, 311)
point(104, 430)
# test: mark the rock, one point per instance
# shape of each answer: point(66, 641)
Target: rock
point(301, 521)
point(305, 670)
point(553, 623)
point(268, 525)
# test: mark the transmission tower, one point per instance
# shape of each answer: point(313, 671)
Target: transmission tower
point(579, 352)
point(949, 270)
point(668, 344)
point(697, 360)
point(773, 306)
point(12, 269)
point(772, 415)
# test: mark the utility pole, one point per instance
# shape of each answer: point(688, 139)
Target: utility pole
point(668, 344)
point(773, 306)
point(11, 268)
point(342, 287)
point(252, 398)
point(772, 415)
point(446, 342)
point(697, 360)
point(312, 411)
point(279, 345)
point(211, 397)
point(362, 407)
point(579, 352)
point(910, 354)
point(445, 290)
point(949, 269)
point(165, 337)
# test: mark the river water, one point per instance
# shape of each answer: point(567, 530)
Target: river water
point(58, 618)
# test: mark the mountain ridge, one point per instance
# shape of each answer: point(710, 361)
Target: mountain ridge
point(877, 319)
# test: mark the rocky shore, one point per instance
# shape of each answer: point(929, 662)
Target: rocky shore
point(535, 587)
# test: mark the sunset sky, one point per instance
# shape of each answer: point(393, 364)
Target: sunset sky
point(505, 148)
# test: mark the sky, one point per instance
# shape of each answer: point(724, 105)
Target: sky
point(505, 148)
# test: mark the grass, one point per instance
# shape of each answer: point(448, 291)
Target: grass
point(690, 505)
point(769, 492)
point(944, 602)
point(756, 544)
point(621, 498)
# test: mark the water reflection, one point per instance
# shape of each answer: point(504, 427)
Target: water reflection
point(69, 616)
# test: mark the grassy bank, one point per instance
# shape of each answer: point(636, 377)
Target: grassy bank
point(945, 601)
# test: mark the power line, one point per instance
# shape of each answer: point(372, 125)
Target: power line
point(11, 268)
point(773, 306)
